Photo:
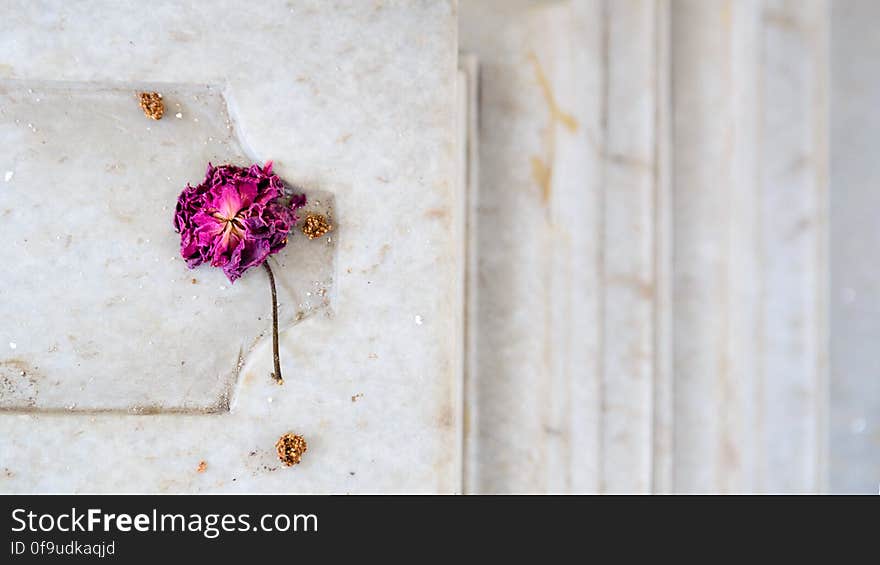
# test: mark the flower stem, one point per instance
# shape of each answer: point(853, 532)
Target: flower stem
point(275, 357)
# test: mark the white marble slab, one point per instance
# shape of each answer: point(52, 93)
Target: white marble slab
point(353, 99)
point(106, 316)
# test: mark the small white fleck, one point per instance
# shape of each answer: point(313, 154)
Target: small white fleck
point(222, 287)
point(12, 345)
point(179, 116)
point(858, 425)
point(8, 176)
point(418, 320)
point(195, 119)
point(269, 400)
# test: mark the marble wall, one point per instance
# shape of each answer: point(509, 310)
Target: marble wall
point(581, 246)
point(653, 246)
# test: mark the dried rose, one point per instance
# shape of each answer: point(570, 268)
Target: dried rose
point(234, 220)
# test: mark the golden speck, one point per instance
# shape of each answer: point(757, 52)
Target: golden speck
point(203, 466)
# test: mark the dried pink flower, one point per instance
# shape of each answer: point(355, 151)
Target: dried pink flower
point(235, 218)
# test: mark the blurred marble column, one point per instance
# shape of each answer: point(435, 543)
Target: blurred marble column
point(570, 219)
point(634, 193)
point(651, 240)
point(750, 264)
point(533, 406)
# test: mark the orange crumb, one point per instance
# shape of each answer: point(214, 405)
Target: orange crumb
point(290, 448)
point(152, 105)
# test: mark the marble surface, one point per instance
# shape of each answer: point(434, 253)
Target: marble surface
point(533, 401)
point(107, 316)
point(642, 250)
point(750, 186)
point(357, 101)
point(651, 246)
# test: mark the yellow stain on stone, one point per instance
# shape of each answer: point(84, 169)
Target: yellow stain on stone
point(542, 170)
point(543, 176)
point(556, 113)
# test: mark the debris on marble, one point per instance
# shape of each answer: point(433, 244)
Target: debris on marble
point(152, 105)
point(291, 448)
